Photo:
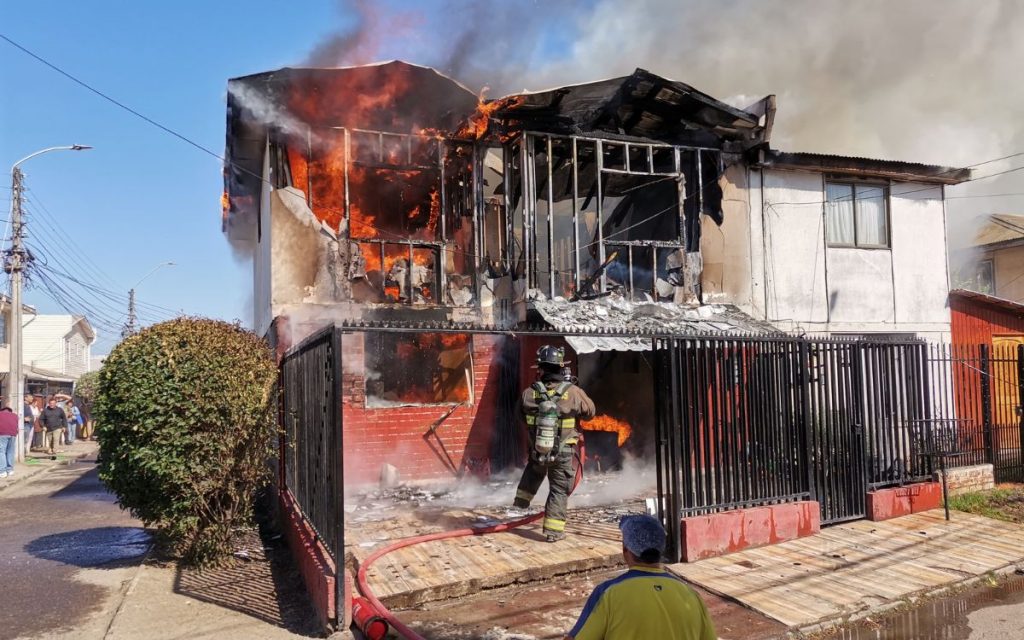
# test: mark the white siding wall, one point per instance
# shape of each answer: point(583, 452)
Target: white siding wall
point(797, 283)
point(77, 354)
point(56, 343)
point(44, 341)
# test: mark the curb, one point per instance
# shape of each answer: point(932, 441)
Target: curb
point(127, 593)
point(911, 599)
point(21, 477)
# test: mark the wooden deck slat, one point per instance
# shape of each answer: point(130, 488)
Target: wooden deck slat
point(877, 561)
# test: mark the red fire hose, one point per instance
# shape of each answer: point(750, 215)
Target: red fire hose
point(383, 612)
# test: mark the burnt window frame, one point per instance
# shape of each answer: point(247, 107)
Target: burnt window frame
point(527, 175)
point(439, 246)
point(853, 184)
point(471, 381)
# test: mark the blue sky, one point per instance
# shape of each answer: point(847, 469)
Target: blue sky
point(141, 197)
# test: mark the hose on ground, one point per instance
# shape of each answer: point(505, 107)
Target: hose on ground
point(384, 612)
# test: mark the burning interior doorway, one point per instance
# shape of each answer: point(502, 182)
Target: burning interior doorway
point(621, 384)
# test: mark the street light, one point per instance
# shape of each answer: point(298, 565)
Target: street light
point(15, 266)
point(129, 326)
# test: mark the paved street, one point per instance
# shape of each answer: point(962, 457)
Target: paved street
point(71, 566)
point(66, 554)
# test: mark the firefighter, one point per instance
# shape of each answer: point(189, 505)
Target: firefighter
point(551, 407)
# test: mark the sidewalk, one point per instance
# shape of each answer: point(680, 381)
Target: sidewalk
point(66, 541)
point(38, 462)
point(851, 570)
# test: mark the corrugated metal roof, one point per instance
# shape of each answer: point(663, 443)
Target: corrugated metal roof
point(996, 229)
point(992, 301)
point(864, 167)
point(643, 319)
point(590, 344)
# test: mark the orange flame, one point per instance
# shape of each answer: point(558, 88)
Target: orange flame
point(608, 423)
point(225, 204)
point(479, 123)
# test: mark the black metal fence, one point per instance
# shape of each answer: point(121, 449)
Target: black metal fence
point(978, 393)
point(310, 379)
point(752, 421)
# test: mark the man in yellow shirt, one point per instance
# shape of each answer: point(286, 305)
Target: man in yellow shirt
point(646, 602)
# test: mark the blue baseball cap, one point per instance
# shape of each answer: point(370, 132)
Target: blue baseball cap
point(641, 533)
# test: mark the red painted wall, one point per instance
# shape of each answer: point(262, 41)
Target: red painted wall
point(718, 534)
point(395, 435)
point(974, 322)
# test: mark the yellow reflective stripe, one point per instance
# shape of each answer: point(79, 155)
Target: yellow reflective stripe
point(565, 396)
point(554, 525)
point(531, 419)
point(524, 495)
point(571, 441)
point(568, 423)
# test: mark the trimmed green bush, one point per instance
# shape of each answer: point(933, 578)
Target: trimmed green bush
point(85, 386)
point(185, 420)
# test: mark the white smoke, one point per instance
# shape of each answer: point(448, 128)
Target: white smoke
point(929, 81)
point(265, 110)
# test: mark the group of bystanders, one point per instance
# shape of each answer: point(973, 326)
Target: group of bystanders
point(44, 428)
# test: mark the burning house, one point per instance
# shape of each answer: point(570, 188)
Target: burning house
point(389, 195)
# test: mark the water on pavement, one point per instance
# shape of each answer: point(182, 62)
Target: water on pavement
point(968, 615)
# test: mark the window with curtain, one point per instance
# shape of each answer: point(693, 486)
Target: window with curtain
point(856, 215)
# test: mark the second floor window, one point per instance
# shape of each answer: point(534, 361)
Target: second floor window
point(856, 215)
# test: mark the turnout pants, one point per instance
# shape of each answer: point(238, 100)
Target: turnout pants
point(559, 473)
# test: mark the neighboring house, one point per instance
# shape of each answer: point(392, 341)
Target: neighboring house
point(58, 345)
point(56, 349)
point(984, 356)
point(990, 259)
point(829, 244)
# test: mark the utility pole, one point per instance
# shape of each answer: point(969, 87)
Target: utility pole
point(130, 327)
point(15, 266)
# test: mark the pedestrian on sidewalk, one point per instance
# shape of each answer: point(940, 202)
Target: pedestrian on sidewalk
point(39, 434)
point(54, 421)
point(647, 601)
point(8, 442)
point(29, 422)
point(75, 418)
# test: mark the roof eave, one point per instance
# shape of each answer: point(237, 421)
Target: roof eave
point(862, 167)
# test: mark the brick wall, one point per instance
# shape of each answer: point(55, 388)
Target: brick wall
point(313, 561)
point(395, 435)
point(966, 479)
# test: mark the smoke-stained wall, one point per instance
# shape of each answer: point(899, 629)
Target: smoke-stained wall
point(399, 436)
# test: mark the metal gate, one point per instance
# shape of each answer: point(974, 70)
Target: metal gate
point(730, 430)
point(747, 421)
point(837, 451)
point(310, 379)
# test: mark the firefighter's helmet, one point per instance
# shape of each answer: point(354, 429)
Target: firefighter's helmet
point(551, 355)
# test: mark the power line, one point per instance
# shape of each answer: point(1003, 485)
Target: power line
point(216, 155)
point(68, 242)
point(100, 310)
point(110, 99)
